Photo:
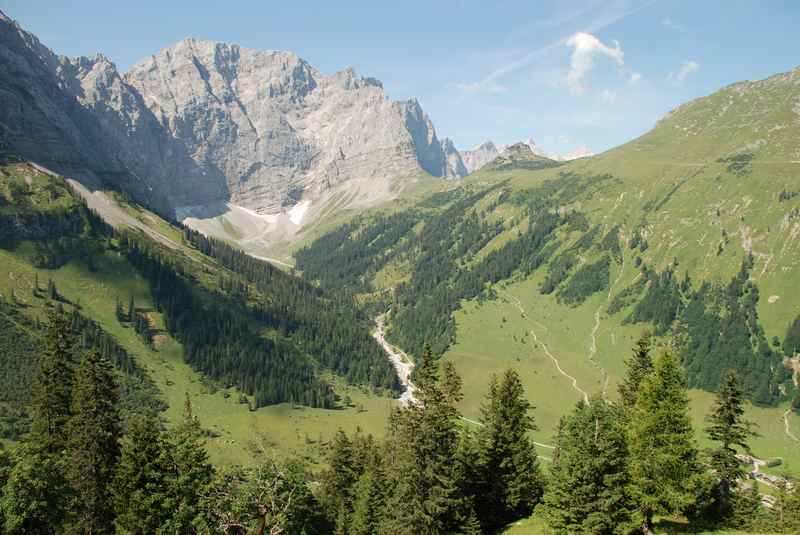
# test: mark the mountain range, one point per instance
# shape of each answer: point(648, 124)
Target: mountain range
point(485, 152)
point(200, 124)
point(222, 136)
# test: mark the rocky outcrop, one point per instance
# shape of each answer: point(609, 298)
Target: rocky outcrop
point(201, 123)
point(453, 163)
point(479, 155)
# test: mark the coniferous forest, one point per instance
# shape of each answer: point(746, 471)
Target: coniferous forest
point(85, 466)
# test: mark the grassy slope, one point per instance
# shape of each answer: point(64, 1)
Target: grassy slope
point(242, 433)
point(670, 183)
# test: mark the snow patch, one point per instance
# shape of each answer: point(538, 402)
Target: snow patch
point(298, 211)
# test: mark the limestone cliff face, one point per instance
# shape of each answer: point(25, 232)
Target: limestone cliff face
point(277, 129)
point(202, 122)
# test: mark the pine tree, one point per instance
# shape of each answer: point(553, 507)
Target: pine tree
point(636, 369)
point(140, 490)
point(51, 392)
point(661, 442)
point(512, 481)
point(587, 491)
point(277, 499)
point(92, 447)
point(728, 428)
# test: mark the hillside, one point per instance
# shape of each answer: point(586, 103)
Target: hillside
point(692, 231)
point(256, 349)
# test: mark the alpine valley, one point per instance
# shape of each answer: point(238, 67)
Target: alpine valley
point(276, 249)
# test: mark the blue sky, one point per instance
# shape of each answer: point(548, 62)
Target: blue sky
point(565, 73)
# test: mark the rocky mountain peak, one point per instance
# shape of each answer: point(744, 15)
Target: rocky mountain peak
point(203, 123)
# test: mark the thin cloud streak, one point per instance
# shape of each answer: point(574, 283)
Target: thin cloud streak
point(602, 21)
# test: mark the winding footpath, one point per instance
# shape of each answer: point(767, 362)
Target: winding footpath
point(593, 344)
point(787, 427)
point(547, 352)
point(402, 364)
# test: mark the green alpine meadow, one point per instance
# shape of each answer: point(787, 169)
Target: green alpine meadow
point(241, 294)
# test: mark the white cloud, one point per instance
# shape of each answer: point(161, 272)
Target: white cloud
point(585, 47)
point(609, 96)
point(687, 69)
point(600, 14)
point(673, 25)
point(635, 77)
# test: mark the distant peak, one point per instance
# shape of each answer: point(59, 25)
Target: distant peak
point(486, 145)
point(4, 17)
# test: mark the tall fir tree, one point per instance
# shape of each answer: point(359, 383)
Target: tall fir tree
point(188, 471)
point(587, 491)
point(663, 453)
point(637, 367)
point(140, 490)
point(422, 441)
point(512, 482)
point(369, 497)
point(337, 481)
point(93, 447)
point(728, 428)
point(51, 391)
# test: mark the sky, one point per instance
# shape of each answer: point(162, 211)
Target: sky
point(566, 73)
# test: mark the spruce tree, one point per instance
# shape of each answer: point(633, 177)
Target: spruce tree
point(728, 428)
point(636, 369)
point(368, 500)
point(791, 343)
point(338, 480)
point(140, 490)
point(422, 441)
point(131, 309)
point(512, 482)
point(663, 453)
point(587, 491)
point(188, 472)
point(51, 392)
point(93, 444)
